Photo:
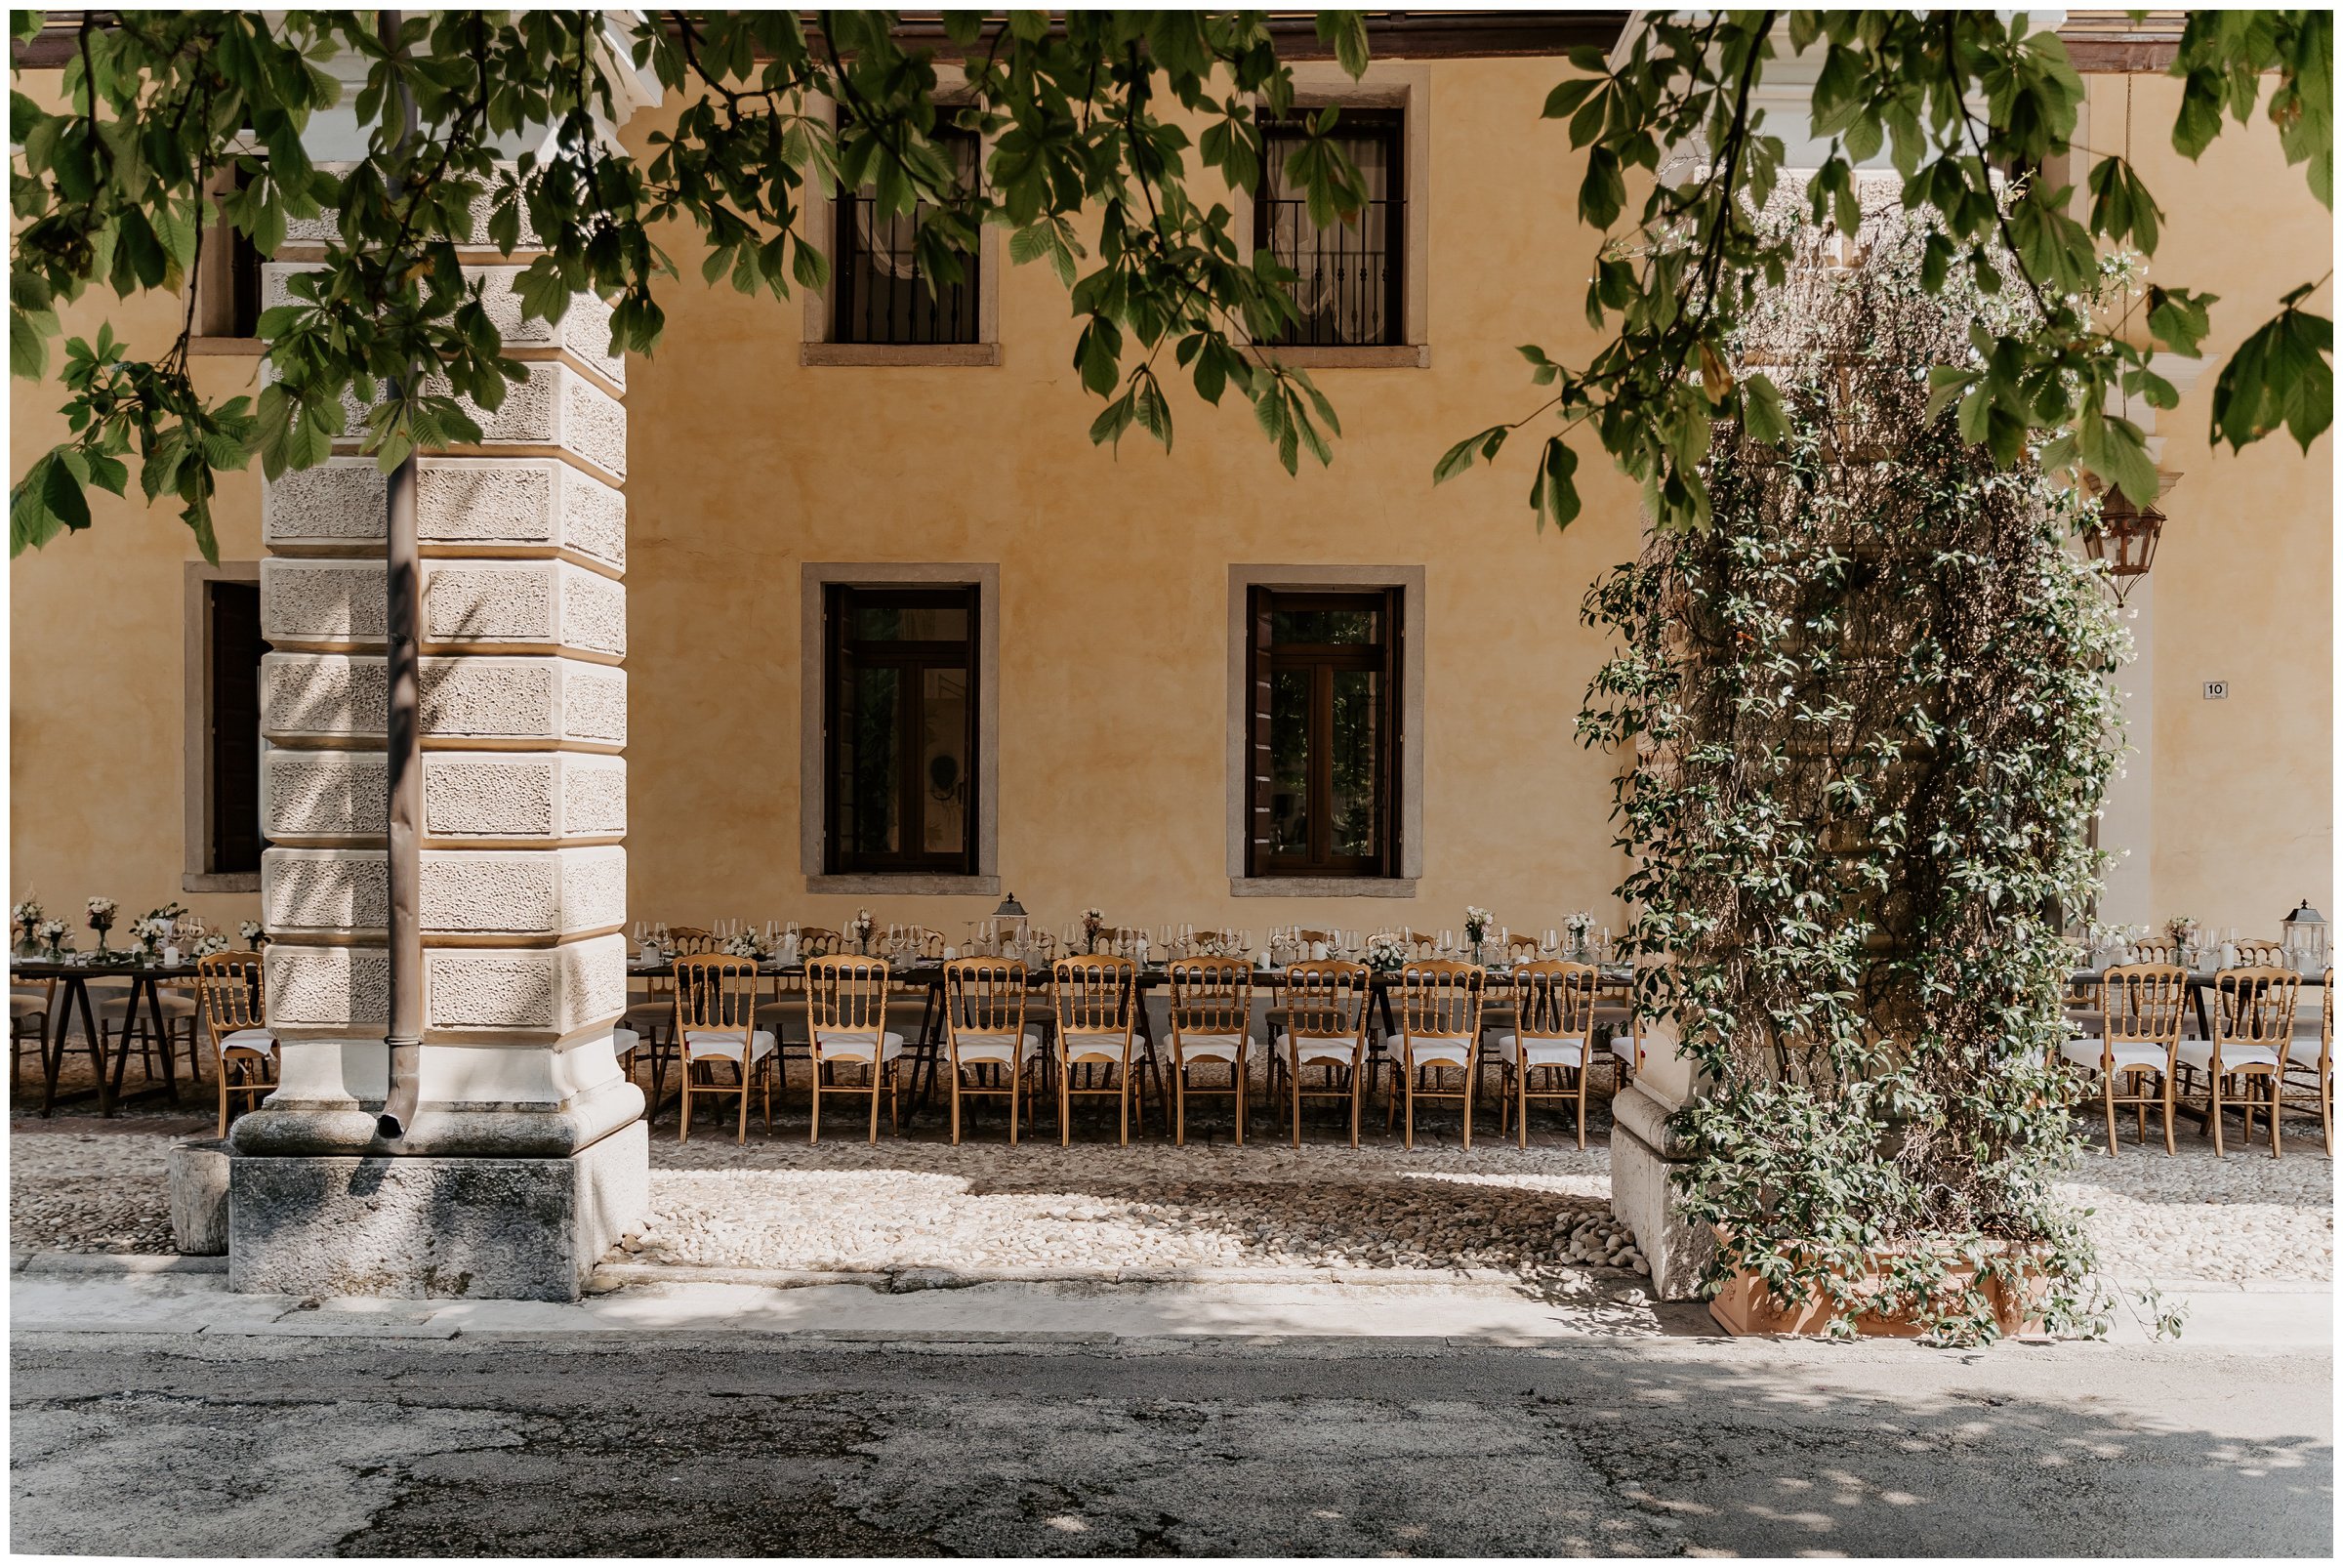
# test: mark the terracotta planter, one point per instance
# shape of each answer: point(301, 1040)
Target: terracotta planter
point(1744, 1306)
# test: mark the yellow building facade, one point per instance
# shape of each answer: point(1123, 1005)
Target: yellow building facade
point(766, 463)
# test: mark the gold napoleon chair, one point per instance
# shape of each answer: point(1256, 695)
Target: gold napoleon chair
point(1550, 1040)
point(2310, 1085)
point(994, 1045)
point(1211, 1020)
point(2141, 1008)
point(233, 1001)
point(1094, 998)
point(2253, 1023)
point(2258, 953)
point(716, 1023)
point(846, 1025)
point(1319, 1019)
point(1439, 1032)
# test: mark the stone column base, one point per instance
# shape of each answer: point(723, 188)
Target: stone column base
point(525, 1229)
point(1644, 1154)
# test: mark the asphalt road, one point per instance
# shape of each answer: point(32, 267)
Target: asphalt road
point(651, 1445)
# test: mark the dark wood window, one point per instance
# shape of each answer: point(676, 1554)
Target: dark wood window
point(899, 728)
point(882, 293)
point(1324, 675)
point(229, 283)
point(232, 630)
point(1349, 290)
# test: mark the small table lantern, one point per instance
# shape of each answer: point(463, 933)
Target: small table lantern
point(1009, 926)
point(2303, 934)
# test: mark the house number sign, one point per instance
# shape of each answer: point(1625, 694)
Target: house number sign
point(2215, 691)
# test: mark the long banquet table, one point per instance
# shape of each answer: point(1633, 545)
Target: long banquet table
point(73, 980)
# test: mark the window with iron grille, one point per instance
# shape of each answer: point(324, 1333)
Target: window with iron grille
point(875, 275)
point(1348, 288)
point(233, 647)
point(899, 730)
point(1324, 675)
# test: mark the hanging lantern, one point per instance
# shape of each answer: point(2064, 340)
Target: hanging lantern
point(2124, 537)
point(2303, 934)
point(1009, 924)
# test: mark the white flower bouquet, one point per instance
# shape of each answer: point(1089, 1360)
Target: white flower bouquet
point(27, 919)
point(52, 935)
point(1477, 921)
point(102, 918)
point(210, 943)
point(1386, 952)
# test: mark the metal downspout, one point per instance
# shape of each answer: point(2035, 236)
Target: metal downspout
point(403, 583)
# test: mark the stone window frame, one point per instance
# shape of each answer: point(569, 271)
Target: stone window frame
point(820, 221)
point(813, 784)
point(1407, 88)
point(1242, 580)
point(195, 794)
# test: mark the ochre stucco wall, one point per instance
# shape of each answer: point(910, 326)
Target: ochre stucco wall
point(2244, 577)
point(1113, 573)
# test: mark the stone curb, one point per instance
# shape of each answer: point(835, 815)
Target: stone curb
point(614, 1276)
point(120, 1264)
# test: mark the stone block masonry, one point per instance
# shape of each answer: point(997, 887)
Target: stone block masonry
point(526, 1157)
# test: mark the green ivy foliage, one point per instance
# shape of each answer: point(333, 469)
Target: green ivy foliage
point(1873, 715)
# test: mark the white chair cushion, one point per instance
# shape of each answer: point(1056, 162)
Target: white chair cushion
point(625, 1042)
point(974, 1046)
point(724, 1044)
point(24, 1004)
point(1566, 1051)
point(1211, 1048)
point(260, 1042)
point(1623, 1045)
point(1077, 1043)
point(2085, 1052)
point(1315, 1047)
point(855, 1046)
point(2236, 1054)
point(1424, 1049)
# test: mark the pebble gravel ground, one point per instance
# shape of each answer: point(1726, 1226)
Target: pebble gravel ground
point(78, 1185)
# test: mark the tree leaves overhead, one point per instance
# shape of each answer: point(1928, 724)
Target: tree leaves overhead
point(122, 187)
point(1975, 110)
point(514, 113)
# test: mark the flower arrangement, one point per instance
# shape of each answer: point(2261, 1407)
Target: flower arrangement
point(251, 934)
point(27, 918)
point(52, 935)
point(1477, 921)
point(2182, 928)
point(102, 918)
point(1094, 920)
point(859, 929)
point(744, 944)
point(154, 927)
point(1386, 952)
point(209, 943)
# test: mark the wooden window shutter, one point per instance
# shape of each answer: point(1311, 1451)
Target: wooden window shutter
point(1387, 757)
point(1258, 823)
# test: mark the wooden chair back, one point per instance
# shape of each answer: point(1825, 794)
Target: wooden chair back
point(2144, 1004)
point(1439, 999)
point(1094, 994)
point(229, 988)
point(2255, 953)
point(2255, 1005)
point(845, 993)
point(715, 991)
point(689, 940)
point(1553, 998)
point(2153, 949)
point(1210, 996)
point(818, 941)
point(1521, 949)
point(986, 995)
point(1327, 1000)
